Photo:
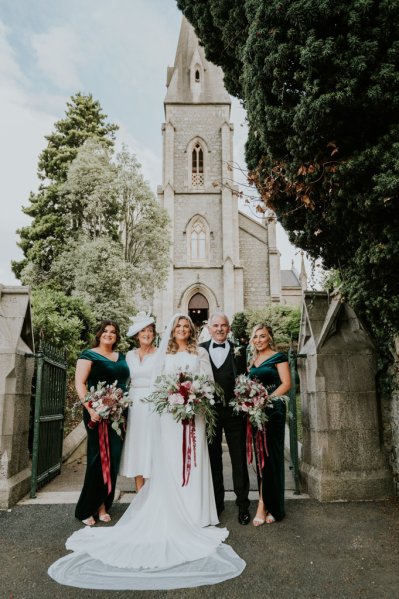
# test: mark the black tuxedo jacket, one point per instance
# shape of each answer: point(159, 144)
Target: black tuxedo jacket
point(238, 362)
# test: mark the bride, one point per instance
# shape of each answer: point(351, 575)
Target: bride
point(165, 539)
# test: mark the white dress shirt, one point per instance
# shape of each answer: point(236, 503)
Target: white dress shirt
point(219, 354)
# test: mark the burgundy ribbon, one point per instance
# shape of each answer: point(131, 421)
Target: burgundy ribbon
point(104, 453)
point(260, 446)
point(188, 448)
point(249, 441)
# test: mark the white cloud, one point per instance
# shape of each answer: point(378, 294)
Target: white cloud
point(58, 54)
point(22, 131)
point(10, 71)
point(150, 161)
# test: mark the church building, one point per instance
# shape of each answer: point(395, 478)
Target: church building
point(220, 257)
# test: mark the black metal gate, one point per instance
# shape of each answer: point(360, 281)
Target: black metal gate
point(293, 421)
point(48, 425)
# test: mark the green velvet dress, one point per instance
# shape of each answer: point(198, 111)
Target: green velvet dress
point(273, 474)
point(95, 492)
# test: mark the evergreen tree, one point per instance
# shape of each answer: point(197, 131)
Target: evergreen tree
point(45, 237)
point(320, 83)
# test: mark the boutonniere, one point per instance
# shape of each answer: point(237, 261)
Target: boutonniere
point(237, 351)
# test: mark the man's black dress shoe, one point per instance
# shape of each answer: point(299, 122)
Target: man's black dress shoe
point(244, 517)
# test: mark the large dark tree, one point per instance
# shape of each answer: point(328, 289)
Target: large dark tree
point(44, 238)
point(320, 82)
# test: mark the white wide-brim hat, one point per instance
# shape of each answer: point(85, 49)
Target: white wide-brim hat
point(139, 322)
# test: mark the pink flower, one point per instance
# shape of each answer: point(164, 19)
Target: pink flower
point(176, 398)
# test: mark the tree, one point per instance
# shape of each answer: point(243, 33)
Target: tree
point(284, 320)
point(61, 320)
point(320, 83)
point(95, 271)
point(44, 238)
point(91, 202)
point(144, 226)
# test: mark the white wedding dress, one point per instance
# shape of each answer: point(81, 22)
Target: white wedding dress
point(163, 540)
point(136, 452)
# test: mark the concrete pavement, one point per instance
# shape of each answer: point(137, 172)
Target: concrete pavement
point(319, 551)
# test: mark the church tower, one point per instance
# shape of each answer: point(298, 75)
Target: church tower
point(220, 257)
point(197, 190)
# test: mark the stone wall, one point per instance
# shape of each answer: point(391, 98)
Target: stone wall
point(342, 453)
point(390, 418)
point(255, 262)
point(16, 370)
point(197, 121)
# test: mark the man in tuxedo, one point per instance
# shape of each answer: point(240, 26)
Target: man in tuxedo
point(226, 366)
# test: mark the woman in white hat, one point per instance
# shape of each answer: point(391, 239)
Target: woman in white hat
point(136, 453)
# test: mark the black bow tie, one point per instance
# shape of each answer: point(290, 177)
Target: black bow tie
point(219, 345)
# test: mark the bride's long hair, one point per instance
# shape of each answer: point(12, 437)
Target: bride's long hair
point(192, 345)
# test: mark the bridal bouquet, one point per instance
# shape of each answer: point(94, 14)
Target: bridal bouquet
point(251, 398)
point(109, 402)
point(186, 395)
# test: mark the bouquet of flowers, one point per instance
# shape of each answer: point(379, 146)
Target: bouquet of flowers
point(252, 398)
point(186, 395)
point(109, 402)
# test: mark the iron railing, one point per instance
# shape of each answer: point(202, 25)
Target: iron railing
point(48, 424)
point(293, 421)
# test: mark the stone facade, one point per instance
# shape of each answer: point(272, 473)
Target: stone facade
point(342, 453)
point(390, 418)
point(16, 370)
point(254, 258)
point(218, 254)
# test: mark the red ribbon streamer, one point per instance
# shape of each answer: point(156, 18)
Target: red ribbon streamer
point(260, 446)
point(249, 441)
point(188, 448)
point(104, 453)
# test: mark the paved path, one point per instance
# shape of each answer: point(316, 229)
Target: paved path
point(66, 487)
point(319, 551)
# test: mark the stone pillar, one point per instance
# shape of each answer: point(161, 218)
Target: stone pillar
point(233, 297)
point(16, 371)
point(274, 259)
point(342, 452)
point(164, 299)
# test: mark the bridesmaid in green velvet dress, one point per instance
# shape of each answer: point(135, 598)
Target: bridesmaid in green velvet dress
point(271, 369)
point(101, 363)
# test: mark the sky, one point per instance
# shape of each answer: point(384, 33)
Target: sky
point(117, 50)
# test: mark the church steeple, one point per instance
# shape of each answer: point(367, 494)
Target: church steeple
point(193, 79)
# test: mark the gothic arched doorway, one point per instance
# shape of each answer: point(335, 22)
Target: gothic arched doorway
point(198, 309)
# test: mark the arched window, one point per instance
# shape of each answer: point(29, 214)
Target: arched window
point(197, 166)
point(197, 76)
point(198, 242)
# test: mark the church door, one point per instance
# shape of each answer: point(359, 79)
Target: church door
point(198, 309)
